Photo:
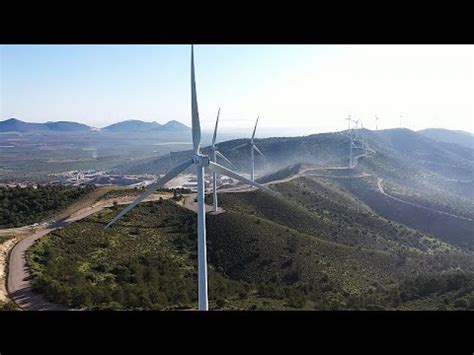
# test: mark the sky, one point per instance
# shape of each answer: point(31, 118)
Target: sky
point(295, 89)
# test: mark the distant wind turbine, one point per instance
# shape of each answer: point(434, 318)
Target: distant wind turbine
point(376, 122)
point(350, 135)
point(348, 122)
point(253, 149)
point(201, 162)
point(356, 127)
point(215, 154)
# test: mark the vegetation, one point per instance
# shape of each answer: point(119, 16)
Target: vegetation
point(146, 262)
point(8, 306)
point(4, 238)
point(331, 241)
point(449, 229)
point(264, 253)
point(138, 190)
point(22, 206)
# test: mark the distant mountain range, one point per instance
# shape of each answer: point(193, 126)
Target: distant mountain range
point(15, 125)
point(129, 126)
point(140, 126)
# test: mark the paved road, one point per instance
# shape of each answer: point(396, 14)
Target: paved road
point(19, 277)
point(379, 184)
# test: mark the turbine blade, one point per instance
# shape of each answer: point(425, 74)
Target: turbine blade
point(215, 129)
point(239, 146)
point(219, 169)
point(259, 152)
point(255, 128)
point(227, 160)
point(178, 169)
point(196, 127)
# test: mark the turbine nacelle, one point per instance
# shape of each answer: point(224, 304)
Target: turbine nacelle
point(201, 160)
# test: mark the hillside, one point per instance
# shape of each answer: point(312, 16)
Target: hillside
point(316, 247)
point(330, 149)
point(23, 206)
point(326, 148)
point(465, 139)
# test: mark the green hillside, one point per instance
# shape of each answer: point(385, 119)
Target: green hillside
point(317, 247)
point(23, 206)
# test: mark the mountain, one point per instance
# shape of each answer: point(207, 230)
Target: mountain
point(465, 139)
point(174, 126)
point(132, 126)
point(15, 125)
point(67, 126)
point(141, 126)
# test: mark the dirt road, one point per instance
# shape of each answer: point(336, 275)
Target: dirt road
point(19, 276)
point(5, 248)
point(379, 184)
point(189, 203)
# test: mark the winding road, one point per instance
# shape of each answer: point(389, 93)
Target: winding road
point(379, 184)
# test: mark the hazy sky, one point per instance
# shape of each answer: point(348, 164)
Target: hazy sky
point(295, 89)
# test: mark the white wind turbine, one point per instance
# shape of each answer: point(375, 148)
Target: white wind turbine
point(350, 135)
point(253, 149)
point(348, 119)
point(215, 154)
point(201, 162)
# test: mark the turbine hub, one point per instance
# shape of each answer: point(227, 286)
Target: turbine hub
point(201, 160)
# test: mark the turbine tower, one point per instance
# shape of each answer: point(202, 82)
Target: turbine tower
point(377, 122)
point(351, 140)
point(200, 161)
point(356, 128)
point(348, 122)
point(350, 151)
point(215, 154)
point(253, 149)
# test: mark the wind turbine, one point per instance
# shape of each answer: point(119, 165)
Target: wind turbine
point(215, 154)
point(376, 122)
point(253, 149)
point(356, 128)
point(200, 161)
point(350, 135)
point(348, 122)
